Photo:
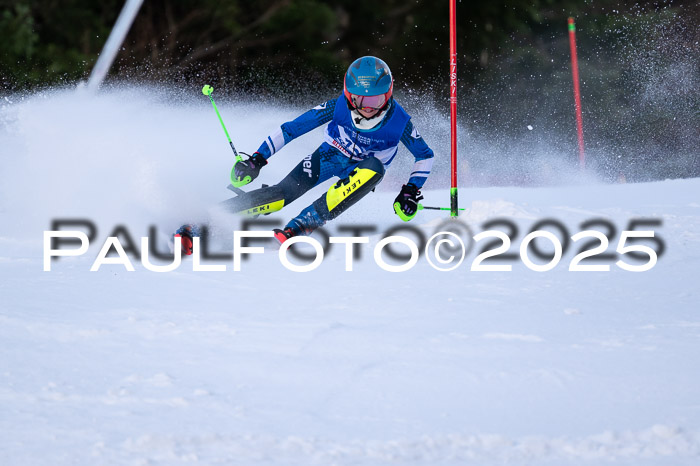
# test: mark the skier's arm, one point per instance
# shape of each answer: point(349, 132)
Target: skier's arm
point(290, 130)
point(422, 153)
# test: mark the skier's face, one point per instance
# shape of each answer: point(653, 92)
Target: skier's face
point(368, 112)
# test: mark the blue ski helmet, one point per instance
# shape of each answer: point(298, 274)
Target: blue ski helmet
point(368, 83)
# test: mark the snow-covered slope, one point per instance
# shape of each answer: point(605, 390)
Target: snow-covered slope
point(366, 367)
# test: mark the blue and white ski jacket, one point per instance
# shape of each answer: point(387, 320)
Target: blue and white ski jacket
point(344, 137)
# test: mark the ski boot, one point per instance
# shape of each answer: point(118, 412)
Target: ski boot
point(283, 235)
point(187, 233)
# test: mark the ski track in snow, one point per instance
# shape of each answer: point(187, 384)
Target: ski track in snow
point(326, 367)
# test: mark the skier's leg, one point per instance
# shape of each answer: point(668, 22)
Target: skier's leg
point(273, 198)
point(339, 197)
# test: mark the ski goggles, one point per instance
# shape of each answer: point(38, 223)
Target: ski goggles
point(368, 102)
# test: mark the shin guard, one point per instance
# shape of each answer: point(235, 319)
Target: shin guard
point(262, 201)
point(348, 191)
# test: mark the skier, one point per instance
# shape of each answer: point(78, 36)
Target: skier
point(361, 140)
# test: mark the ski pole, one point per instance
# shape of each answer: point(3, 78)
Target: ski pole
point(425, 207)
point(207, 90)
point(406, 218)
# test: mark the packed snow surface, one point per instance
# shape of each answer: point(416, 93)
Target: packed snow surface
point(366, 367)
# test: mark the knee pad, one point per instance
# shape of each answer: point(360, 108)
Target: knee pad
point(374, 164)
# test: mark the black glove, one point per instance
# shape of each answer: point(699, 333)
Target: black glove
point(248, 167)
point(406, 202)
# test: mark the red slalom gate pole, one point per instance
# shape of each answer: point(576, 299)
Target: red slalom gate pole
point(577, 92)
point(454, 209)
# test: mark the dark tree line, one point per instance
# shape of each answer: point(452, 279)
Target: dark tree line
point(640, 60)
point(267, 42)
